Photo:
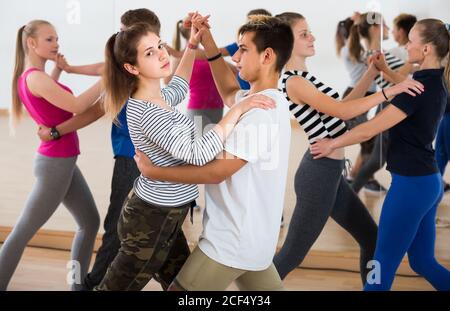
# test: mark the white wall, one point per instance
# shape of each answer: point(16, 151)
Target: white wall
point(83, 42)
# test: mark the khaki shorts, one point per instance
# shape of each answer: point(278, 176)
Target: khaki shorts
point(201, 273)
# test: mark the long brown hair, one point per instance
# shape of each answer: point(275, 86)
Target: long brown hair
point(27, 31)
point(342, 33)
point(361, 30)
point(119, 84)
point(180, 31)
point(434, 31)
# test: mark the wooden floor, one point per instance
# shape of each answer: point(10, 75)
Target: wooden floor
point(44, 269)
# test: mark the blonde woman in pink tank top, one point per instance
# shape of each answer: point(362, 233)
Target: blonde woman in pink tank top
point(58, 179)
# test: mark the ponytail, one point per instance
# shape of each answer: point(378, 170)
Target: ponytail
point(176, 43)
point(16, 107)
point(342, 34)
point(355, 48)
point(115, 80)
point(119, 84)
point(24, 32)
point(180, 31)
point(361, 30)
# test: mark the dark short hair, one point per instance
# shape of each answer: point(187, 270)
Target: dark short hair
point(271, 32)
point(131, 17)
point(405, 22)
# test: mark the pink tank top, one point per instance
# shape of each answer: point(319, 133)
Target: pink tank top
point(43, 112)
point(203, 93)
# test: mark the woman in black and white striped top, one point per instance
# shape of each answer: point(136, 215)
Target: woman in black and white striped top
point(320, 187)
point(152, 242)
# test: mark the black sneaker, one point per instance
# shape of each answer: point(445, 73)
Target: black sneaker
point(374, 187)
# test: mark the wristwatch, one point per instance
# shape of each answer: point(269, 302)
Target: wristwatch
point(54, 133)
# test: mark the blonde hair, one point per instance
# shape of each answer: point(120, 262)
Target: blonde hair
point(27, 31)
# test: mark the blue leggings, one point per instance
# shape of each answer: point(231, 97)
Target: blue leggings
point(443, 143)
point(407, 225)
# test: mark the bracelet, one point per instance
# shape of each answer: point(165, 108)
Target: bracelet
point(384, 94)
point(192, 46)
point(211, 59)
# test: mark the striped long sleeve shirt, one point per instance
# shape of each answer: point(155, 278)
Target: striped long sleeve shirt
point(167, 137)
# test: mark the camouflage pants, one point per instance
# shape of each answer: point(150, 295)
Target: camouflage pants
point(152, 245)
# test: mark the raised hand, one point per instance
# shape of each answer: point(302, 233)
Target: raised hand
point(187, 22)
point(379, 61)
point(198, 24)
point(61, 62)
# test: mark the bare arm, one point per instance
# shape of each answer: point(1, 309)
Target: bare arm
point(214, 172)
point(222, 50)
point(393, 76)
point(42, 85)
point(225, 79)
point(363, 84)
point(59, 62)
point(386, 119)
point(302, 91)
point(87, 70)
point(75, 123)
point(56, 73)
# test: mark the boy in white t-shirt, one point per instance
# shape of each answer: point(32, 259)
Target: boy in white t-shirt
point(245, 186)
point(402, 25)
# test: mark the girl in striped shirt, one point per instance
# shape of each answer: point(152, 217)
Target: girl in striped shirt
point(319, 185)
point(152, 242)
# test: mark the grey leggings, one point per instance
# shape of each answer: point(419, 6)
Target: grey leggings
point(58, 180)
point(323, 192)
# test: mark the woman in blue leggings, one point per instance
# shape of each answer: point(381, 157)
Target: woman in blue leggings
point(407, 222)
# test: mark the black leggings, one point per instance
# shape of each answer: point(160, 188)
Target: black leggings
point(323, 192)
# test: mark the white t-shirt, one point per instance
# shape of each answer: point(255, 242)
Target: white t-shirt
point(241, 222)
